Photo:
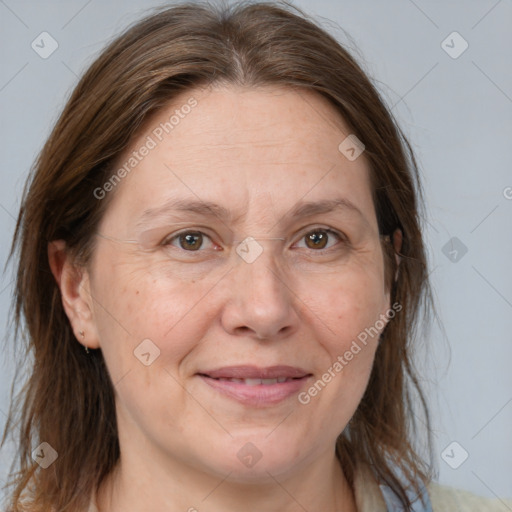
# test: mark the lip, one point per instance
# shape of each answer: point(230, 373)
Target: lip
point(255, 372)
point(256, 395)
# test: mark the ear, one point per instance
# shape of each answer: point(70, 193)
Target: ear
point(397, 245)
point(73, 282)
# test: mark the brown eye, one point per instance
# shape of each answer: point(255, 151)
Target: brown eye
point(191, 241)
point(316, 239)
point(321, 239)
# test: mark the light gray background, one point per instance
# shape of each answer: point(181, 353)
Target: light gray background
point(456, 112)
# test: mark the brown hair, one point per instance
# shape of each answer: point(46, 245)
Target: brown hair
point(68, 400)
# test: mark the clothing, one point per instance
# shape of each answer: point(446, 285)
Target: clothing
point(371, 498)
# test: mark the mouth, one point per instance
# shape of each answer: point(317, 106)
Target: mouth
point(254, 386)
point(255, 382)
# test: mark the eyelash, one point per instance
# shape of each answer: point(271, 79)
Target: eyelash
point(168, 241)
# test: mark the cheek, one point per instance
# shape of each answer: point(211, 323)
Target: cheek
point(134, 305)
point(347, 302)
point(140, 315)
point(350, 305)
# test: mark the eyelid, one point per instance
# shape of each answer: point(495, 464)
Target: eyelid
point(169, 238)
point(320, 227)
point(342, 237)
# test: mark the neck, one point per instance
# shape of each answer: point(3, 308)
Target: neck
point(142, 482)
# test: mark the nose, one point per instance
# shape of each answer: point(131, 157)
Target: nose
point(261, 302)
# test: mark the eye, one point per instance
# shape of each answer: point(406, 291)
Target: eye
point(193, 241)
point(190, 241)
point(319, 238)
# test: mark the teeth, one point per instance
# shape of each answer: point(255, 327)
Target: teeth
point(252, 382)
point(256, 382)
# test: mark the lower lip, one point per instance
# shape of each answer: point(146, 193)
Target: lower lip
point(260, 395)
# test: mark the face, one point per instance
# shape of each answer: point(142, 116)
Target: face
point(196, 321)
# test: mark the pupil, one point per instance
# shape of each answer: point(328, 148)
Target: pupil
point(319, 239)
point(193, 241)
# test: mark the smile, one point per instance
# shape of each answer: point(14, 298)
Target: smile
point(256, 387)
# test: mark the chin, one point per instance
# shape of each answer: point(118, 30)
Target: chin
point(256, 461)
point(260, 474)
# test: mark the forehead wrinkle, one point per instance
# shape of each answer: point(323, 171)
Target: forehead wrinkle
point(210, 209)
point(311, 208)
point(191, 206)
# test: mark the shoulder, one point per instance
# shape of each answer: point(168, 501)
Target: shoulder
point(449, 499)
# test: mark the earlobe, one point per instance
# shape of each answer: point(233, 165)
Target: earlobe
point(73, 283)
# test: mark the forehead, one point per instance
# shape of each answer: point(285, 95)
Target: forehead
point(237, 145)
point(239, 119)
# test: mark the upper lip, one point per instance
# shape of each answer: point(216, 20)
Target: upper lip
point(254, 372)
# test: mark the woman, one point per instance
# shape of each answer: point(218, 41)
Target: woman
point(220, 269)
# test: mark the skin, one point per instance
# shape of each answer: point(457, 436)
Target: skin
point(257, 152)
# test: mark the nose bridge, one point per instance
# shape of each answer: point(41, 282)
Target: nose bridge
point(262, 301)
point(259, 263)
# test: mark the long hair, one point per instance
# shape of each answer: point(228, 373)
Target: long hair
point(68, 399)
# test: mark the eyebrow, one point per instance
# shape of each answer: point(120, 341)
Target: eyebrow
point(210, 209)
